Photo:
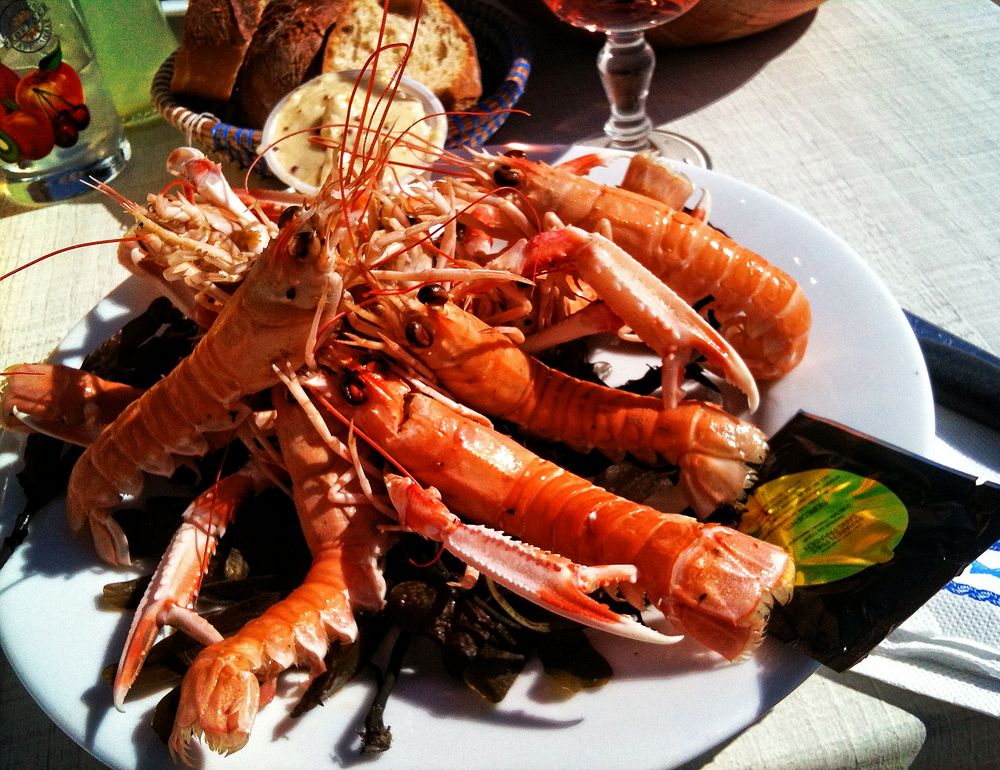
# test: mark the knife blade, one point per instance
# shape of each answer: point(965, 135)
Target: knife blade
point(964, 378)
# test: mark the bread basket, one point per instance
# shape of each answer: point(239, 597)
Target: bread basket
point(504, 59)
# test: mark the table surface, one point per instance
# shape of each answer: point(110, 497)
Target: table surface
point(878, 118)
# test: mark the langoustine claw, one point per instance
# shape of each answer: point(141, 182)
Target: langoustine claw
point(542, 577)
point(190, 164)
point(171, 593)
point(654, 312)
point(762, 311)
point(60, 401)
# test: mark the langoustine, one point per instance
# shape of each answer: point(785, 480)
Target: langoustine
point(268, 320)
point(712, 582)
point(486, 370)
point(761, 310)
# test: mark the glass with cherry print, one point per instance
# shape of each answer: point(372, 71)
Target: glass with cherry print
point(58, 127)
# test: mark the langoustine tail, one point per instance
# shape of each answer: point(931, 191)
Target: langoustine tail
point(721, 587)
point(228, 681)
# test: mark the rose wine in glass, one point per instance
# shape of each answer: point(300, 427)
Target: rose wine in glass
point(626, 65)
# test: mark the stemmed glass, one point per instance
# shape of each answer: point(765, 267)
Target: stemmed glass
point(626, 65)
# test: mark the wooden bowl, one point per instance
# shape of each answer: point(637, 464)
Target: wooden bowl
point(710, 21)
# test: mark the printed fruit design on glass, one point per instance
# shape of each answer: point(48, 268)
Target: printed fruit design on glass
point(41, 110)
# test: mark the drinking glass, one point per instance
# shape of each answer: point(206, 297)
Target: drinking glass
point(626, 64)
point(58, 125)
point(129, 65)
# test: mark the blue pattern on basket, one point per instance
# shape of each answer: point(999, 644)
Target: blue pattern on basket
point(238, 142)
point(504, 59)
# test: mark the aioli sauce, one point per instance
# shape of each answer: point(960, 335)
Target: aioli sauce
point(323, 104)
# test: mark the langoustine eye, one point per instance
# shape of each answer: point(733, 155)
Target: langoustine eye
point(433, 294)
point(506, 176)
point(353, 389)
point(418, 334)
point(305, 244)
point(288, 215)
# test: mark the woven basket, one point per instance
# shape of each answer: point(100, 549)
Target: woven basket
point(504, 61)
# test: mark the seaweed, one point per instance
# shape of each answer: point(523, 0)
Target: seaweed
point(142, 352)
point(48, 463)
point(147, 348)
point(485, 634)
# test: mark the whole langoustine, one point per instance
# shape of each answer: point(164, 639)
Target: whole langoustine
point(269, 320)
point(484, 369)
point(712, 582)
point(761, 310)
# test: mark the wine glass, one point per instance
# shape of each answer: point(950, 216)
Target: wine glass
point(626, 65)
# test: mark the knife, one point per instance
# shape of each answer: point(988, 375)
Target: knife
point(964, 378)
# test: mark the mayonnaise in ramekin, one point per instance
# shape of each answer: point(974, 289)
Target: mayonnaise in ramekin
point(325, 105)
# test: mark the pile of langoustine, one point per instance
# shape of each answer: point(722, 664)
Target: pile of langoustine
point(358, 345)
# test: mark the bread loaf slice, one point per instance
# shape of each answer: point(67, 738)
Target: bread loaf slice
point(286, 50)
point(214, 39)
point(443, 57)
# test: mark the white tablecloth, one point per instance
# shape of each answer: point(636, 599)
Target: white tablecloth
point(878, 118)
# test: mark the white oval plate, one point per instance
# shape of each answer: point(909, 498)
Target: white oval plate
point(664, 706)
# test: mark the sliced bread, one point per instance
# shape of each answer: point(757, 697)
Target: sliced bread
point(214, 39)
point(443, 56)
point(287, 50)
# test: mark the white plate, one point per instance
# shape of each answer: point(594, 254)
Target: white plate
point(663, 707)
